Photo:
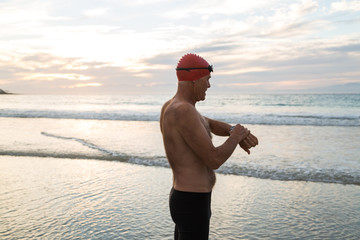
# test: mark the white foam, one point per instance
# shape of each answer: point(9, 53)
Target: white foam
point(250, 118)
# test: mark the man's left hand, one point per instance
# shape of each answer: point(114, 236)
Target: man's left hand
point(249, 142)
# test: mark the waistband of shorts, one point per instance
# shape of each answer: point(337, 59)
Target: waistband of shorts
point(189, 193)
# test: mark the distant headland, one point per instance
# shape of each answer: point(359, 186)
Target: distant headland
point(3, 92)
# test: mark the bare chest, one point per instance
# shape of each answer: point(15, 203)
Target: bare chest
point(206, 125)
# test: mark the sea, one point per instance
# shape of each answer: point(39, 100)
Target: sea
point(304, 140)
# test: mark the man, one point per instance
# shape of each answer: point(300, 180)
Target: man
point(190, 151)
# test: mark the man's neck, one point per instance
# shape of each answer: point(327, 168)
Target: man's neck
point(185, 92)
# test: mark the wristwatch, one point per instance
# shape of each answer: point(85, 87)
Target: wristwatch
point(231, 128)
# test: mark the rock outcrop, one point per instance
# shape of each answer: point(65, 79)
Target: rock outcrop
point(2, 92)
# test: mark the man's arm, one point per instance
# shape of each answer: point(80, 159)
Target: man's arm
point(219, 128)
point(223, 129)
point(196, 137)
point(162, 113)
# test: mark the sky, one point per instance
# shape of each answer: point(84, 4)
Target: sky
point(116, 46)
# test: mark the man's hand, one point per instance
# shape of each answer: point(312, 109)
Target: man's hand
point(222, 129)
point(249, 142)
point(241, 131)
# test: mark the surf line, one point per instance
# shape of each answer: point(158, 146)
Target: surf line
point(83, 142)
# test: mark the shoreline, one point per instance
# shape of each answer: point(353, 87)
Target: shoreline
point(103, 199)
point(116, 159)
point(118, 141)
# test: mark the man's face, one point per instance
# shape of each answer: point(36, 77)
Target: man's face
point(200, 87)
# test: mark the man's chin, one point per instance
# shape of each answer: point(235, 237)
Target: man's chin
point(201, 98)
point(204, 96)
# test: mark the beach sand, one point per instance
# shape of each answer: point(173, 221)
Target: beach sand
point(51, 198)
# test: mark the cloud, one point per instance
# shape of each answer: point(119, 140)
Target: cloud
point(95, 12)
point(291, 20)
point(126, 45)
point(268, 86)
point(344, 6)
point(152, 84)
point(213, 7)
point(144, 2)
point(81, 85)
point(44, 73)
point(218, 46)
point(235, 22)
point(312, 63)
point(53, 76)
point(355, 47)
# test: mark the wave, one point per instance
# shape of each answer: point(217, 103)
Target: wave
point(292, 119)
point(273, 173)
point(86, 115)
point(254, 118)
point(294, 174)
point(342, 176)
point(263, 172)
point(83, 142)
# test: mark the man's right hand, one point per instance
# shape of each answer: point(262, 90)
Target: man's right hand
point(241, 131)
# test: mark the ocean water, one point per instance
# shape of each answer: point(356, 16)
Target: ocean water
point(262, 109)
point(94, 167)
point(305, 137)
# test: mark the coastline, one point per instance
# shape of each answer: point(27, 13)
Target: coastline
point(4, 92)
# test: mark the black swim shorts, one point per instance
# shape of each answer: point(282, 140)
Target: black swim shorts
point(191, 214)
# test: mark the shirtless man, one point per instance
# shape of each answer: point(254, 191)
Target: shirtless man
point(190, 151)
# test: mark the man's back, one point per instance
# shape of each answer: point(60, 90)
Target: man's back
point(190, 172)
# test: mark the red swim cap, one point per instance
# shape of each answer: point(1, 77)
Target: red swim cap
point(192, 67)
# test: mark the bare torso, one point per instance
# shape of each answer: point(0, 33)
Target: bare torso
point(189, 171)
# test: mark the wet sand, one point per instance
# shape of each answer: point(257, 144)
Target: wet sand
point(50, 198)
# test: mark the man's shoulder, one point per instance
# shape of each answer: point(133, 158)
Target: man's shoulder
point(178, 111)
point(180, 108)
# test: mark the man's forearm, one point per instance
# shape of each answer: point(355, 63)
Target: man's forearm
point(223, 152)
point(219, 128)
point(223, 129)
